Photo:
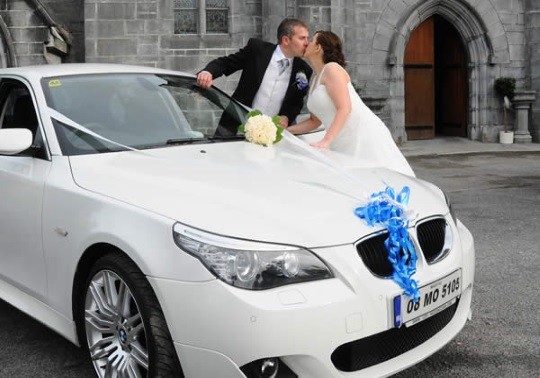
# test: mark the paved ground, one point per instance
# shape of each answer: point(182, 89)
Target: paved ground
point(497, 196)
point(461, 146)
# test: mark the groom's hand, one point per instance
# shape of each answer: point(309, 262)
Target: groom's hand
point(284, 121)
point(204, 79)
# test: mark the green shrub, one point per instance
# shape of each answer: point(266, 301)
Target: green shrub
point(505, 86)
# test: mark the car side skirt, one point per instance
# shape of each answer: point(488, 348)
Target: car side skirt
point(39, 311)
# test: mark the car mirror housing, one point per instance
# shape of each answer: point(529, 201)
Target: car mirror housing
point(13, 141)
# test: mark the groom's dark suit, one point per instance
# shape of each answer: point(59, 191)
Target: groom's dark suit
point(253, 60)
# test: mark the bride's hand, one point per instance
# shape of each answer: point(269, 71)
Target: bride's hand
point(321, 144)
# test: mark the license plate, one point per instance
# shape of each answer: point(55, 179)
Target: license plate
point(434, 297)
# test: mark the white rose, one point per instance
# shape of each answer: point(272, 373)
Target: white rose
point(261, 129)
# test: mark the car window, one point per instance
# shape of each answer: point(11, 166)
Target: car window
point(138, 111)
point(18, 111)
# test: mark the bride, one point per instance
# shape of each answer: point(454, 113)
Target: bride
point(351, 127)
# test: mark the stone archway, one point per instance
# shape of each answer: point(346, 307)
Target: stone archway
point(55, 39)
point(436, 81)
point(480, 55)
point(8, 58)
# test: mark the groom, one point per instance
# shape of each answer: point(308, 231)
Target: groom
point(274, 78)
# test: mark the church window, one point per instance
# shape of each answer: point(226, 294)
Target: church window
point(201, 16)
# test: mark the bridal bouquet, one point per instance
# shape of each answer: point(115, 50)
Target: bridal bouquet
point(261, 129)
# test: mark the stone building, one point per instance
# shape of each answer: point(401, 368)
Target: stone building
point(427, 67)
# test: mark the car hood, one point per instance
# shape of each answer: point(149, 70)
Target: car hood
point(287, 193)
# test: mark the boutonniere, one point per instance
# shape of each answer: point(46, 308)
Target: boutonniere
point(301, 80)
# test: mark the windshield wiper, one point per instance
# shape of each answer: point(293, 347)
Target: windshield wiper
point(226, 137)
point(206, 139)
point(186, 140)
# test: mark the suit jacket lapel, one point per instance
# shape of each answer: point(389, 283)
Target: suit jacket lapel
point(294, 69)
point(292, 80)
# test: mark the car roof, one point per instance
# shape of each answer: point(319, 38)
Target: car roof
point(51, 70)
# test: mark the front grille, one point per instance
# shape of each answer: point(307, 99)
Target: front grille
point(374, 254)
point(431, 236)
point(373, 350)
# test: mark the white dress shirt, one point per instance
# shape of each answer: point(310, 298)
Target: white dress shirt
point(271, 93)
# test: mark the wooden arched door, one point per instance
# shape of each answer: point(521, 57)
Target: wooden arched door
point(435, 66)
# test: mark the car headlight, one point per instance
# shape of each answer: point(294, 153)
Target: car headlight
point(249, 264)
point(449, 204)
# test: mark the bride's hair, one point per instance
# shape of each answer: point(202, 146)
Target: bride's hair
point(332, 47)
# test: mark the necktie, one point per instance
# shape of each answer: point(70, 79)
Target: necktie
point(283, 64)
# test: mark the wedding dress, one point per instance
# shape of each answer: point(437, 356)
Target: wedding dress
point(363, 135)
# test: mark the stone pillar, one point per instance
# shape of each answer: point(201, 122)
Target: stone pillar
point(532, 35)
point(522, 103)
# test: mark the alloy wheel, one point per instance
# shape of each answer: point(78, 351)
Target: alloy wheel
point(114, 328)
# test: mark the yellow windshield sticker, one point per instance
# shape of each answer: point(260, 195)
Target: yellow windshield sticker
point(55, 83)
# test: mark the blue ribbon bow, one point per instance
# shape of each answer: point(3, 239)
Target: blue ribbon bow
point(387, 209)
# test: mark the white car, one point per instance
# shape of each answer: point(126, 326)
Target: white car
point(135, 222)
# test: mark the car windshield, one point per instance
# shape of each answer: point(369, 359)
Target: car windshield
point(114, 112)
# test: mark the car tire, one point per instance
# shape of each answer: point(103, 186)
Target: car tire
point(120, 322)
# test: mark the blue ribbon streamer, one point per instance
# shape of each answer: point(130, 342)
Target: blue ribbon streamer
point(388, 209)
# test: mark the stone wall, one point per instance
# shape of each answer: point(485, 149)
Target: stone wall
point(142, 32)
point(23, 33)
point(40, 32)
point(501, 37)
point(70, 15)
point(376, 33)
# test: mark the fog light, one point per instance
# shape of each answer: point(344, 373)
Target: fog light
point(269, 368)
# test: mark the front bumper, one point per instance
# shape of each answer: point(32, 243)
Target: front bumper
point(217, 328)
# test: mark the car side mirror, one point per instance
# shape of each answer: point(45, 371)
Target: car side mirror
point(13, 141)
